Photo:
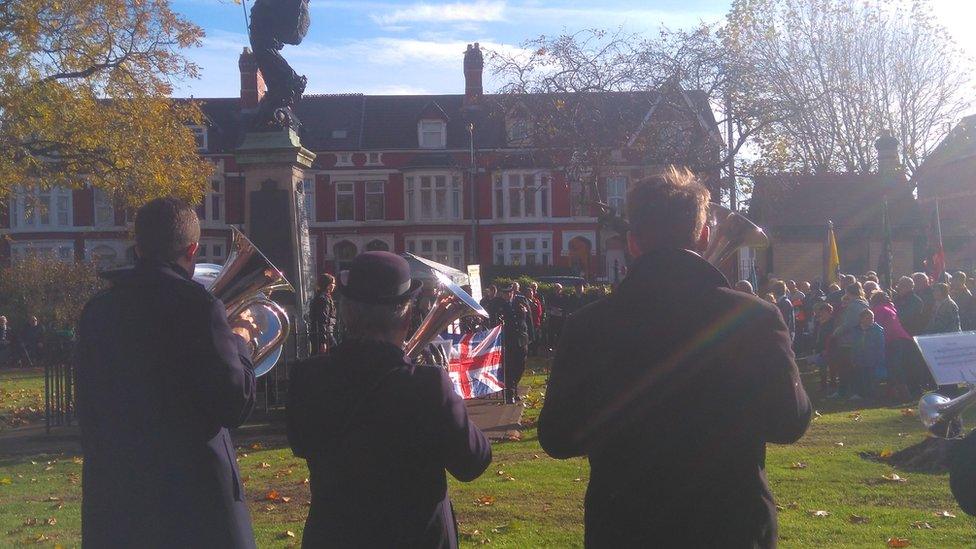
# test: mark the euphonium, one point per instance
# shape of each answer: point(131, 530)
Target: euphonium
point(244, 284)
point(939, 413)
point(729, 232)
point(451, 304)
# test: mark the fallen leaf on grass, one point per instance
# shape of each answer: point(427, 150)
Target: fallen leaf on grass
point(265, 465)
point(838, 444)
point(499, 472)
point(509, 478)
point(42, 538)
point(893, 477)
point(798, 465)
point(898, 542)
point(77, 460)
point(287, 534)
point(5, 481)
point(273, 495)
point(51, 521)
point(858, 519)
point(908, 412)
point(819, 513)
point(485, 501)
point(945, 514)
point(53, 498)
point(513, 436)
point(922, 525)
point(257, 446)
point(499, 529)
point(856, 416)
point(269, 508)
point(30, 522)
point(305, 480)
point(886, 453)
point(817, 414)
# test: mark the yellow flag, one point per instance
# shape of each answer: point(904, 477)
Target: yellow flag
point(833, 257)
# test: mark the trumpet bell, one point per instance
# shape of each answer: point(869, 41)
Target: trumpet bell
point(729, 232)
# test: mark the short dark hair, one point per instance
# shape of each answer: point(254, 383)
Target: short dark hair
point(325, 279)
point(667, 210)
point(165, 227)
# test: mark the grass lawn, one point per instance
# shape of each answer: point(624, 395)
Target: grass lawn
point(526, 499)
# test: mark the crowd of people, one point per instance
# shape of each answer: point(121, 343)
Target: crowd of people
point(21, 347)
point(859, 332)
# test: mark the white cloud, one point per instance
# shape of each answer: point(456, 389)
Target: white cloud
point(482, 10)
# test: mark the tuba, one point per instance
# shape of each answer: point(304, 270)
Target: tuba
point(729, 232)
point(244, 284)
point(451, 304)
point(941, 415)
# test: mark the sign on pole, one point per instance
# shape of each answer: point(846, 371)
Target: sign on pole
point(474, 279)
point(950, 357)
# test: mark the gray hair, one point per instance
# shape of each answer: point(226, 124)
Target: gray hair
point(370, 321)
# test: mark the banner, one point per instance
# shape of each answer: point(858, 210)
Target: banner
point(476, 363)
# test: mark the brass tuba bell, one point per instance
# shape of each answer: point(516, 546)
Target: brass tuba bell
point(451, 304)
point(729, 232)
point(244, 284)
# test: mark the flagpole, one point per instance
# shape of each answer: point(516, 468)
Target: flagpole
point(826, 256)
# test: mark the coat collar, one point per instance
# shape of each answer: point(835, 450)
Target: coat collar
point(670, 271)
point(371, 353)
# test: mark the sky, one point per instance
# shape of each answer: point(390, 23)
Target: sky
point(416, 47)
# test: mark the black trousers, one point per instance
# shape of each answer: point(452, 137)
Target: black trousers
point(514, 367)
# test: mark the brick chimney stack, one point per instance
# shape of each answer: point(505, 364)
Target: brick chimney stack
point(252, 83)
point(474, 66)
point(889, 166)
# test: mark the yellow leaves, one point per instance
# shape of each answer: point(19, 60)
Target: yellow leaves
point(273, 495)
point(485, 501)
point(898, 542)
point(893, 477)
point(5, 481)
point(886, 453)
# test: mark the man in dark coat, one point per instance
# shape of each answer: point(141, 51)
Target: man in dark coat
point(378, 432)
point(161, 376)
point(514, 313)
point(672, 386)
point(323, 316)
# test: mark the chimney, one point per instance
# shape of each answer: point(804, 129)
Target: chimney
point(889, 167)
point(474, 66)
point(252, 83)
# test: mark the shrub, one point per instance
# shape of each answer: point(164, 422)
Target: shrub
point(52, 290)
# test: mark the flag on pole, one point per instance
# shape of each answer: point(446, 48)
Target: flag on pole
point(935, 265)
point(884, 261)
point(475, 364)
point(831, 257)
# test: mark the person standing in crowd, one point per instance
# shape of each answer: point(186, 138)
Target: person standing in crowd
point(785, 307)
point(910, 306)
point(945, 314)
point(795, 294)
point(31, 339)
point(923, 287)
point(844, 332)
point(515, 315)
point(160, 378)
point(557, 315)
point(960, 293)
point(6, 342)
point(898, 345)
point(488, 295)
point(867, 356)
point(870, 287)
point(745, 287)
point(823, 343)
point(646, 397)
point(378, 433)
point(535, 312)
point(323, 316)
point(836, 296)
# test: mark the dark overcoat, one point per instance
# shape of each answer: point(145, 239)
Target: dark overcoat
point(160, 377)
point(378, 434)
point(672, 387)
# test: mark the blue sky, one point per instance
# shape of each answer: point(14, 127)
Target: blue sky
point(406, 46)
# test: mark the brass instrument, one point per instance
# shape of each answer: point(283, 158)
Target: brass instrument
point(729, 232)
point(941, 415)
point(244, 284)
point(451, 304)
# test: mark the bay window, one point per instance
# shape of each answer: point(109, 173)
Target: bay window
point(522, 195)
point(37, 208)
point(524, 249)
point(448, 250)
point(433, 197)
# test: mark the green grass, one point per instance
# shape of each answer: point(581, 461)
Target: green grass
point(537, 501)
point(21, 397)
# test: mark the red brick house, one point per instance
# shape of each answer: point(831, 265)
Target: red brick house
point(392, 173)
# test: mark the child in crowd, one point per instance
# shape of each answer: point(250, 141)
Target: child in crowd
point(823, 314)
point(867, 356)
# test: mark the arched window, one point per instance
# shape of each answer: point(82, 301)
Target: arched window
point(377, 246)
point(345, 251)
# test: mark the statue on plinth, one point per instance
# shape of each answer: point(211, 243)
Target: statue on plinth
point(275, 23)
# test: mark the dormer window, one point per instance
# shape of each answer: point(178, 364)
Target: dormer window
point(432, 134)
point(518, 130)
point(200, 137)
point(339, 134)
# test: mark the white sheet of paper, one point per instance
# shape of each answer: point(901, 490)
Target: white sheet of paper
point(950, 357)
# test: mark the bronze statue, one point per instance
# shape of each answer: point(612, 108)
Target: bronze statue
point(275, 23)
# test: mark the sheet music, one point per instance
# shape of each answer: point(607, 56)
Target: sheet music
point(950, 357)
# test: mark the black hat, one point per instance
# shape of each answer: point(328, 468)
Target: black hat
point(378, 278)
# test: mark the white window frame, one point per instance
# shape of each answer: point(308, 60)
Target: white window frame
point(59, 210)
point(374, 158)
point(373, 193)
point(538, 245)
point(359, 240)
point(344, 159)
point(617, 186)
point(340, 187)
point(510, 184)
point(427, 247)
point(208, 252)
point(63, 250)
point(200, 137)
point(104, 206)
point(215, 216)
point(308, 189)
point(517, 130)
point(434, 128)
point(414, 187)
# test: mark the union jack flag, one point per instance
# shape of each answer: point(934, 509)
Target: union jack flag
point(475, 363)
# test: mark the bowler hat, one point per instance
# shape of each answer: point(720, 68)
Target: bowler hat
point(378, 278)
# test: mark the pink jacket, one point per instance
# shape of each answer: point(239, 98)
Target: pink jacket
point(886, 315)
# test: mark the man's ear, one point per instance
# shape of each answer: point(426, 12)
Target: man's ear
point(191, 251)
point(632, 246)
point(702, 243)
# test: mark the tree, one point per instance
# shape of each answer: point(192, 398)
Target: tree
point(848, 72)
point(52, 290)
point(84, 88)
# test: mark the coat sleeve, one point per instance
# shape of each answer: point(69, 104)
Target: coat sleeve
point(467, 452)
point(222, 378)
point(561, 421)
point(785, 408)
